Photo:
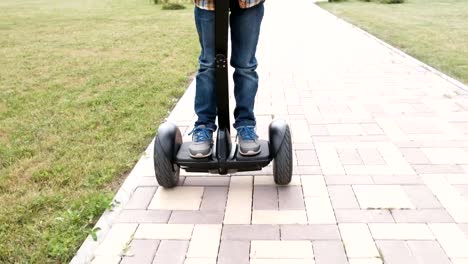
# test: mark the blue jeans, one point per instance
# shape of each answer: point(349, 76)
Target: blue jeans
point(245, 30)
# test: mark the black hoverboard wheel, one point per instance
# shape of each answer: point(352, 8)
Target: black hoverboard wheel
point(280, 139)
point(166, 146)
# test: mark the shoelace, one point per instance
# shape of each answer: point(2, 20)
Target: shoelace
point(201, 134)
point(247, 133)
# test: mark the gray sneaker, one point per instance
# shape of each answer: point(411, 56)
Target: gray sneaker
point(248, 144)
point(202, 142)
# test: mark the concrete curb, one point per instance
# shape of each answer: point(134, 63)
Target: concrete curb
point(458, 84)
point(86, 252)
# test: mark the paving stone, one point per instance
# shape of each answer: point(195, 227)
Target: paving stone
point(459, 260)
point(143, 216)
point(415, 156)
point(106, 260)
point(438, 169)
point(453, 202)
point(272, 217)
point(329, 252)
point(251, 232)
point(306, 158)
point(428, 252)
point(214, 199)
point(239, 203)
point(378, 196)
point(204, 242)
point(290, 198)
point(384, 231)
point(314, 186)
point(372, 129)
point(458, 179)
point(171, 251)
point(310, 170)
point(398, 180)
point(415, 126)
point(141, 198)
point(267, 249)
point(421, 197)
point(463, 190)
point(422, 216)
point(348, 179)
point(345, 129)
point(365, 261)
point(358, 241)
point(181, 198)
point(372, 170)
point(395, 160)
point(318, 130)
point(329, 160)
point(420, 107)
point(207, 181)
point(333, 108)
point(268, 170)
point(234, 252)
point(200, 261)
point(342, 197)
point(301, 131)
point(282, 261)
point(395, 252)
point(464, 228)
point(452, 239)
point(446, 155)
point(147, 182)
point(371, 156)
point(164, 231)
point(265, 198)
point(300, 146)
point(197, 217)
point(369, 138)
point(181, 180)
point(296, 112)
point(310, 232)
point(270, 181)
point(391, 129)
point(140, 252)
point(350, 157)
point(319, 210)
point(116, 240)
point(144, 167)
point(363, 216)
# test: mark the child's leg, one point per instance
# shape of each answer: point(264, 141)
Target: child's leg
point(245, 30)
point(205, 97)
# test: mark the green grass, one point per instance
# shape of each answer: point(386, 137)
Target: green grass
point(434, 31)
point(83, 86)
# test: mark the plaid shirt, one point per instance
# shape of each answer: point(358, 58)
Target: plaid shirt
point(209, 4)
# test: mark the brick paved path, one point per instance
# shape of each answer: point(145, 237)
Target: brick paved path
point(381, 164)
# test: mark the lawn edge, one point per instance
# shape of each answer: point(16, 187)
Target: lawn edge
point(85, 253)
point(463, 87)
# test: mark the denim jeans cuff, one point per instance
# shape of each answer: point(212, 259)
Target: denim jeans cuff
point(208, 125)
point(244, 123)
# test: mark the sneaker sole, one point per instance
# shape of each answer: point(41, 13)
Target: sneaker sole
point(201, 156)
point(250, 152)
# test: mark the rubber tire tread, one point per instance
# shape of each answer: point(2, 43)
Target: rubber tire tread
point(166, 176)
point(283, 163)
